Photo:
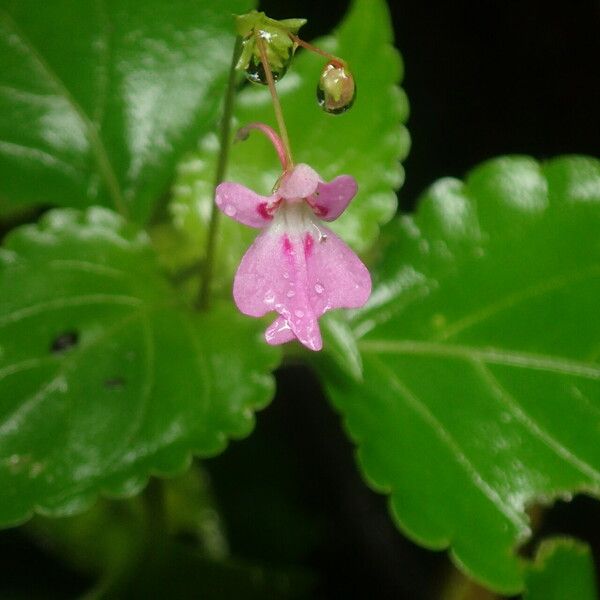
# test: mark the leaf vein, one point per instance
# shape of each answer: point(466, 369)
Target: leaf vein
point(59, 303)
point(41, 156)
point(488, 354)
point(512, 300)
point(543, 435)
point(421, 408)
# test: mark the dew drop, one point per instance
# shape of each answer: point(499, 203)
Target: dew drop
point(319, 288)
point(230, 210)
point(291, 294)
point(336, 89)
point(299, 313)
point(255, 71)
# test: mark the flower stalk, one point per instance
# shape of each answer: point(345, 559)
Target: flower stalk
point(224, 135)
point(260, 43)
point(336, 60)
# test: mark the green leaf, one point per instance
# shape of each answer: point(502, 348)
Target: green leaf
point(99, 99)
point(107, 540)
point(104, 376)
point(367, 141)
point(481, 359)
point(564, 570)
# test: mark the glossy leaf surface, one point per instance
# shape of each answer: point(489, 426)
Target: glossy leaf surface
point(367, 141)
point(99, 99)
point(564, 568)
point(481, 359)
point(104, 376)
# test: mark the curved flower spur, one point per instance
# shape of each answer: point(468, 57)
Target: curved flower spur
point(296, 266)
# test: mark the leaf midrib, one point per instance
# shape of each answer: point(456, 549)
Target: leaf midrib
point(103, 164)
point(485, 354)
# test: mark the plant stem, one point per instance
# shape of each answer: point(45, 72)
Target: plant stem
point(207, 265)
point(275, 99)
point(330, 57)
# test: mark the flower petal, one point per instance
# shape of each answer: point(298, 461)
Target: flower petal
point(273, 277)
point(299, 183)
point(337, 278)
point(301, 275)
point(331, 199)
point(244, 205)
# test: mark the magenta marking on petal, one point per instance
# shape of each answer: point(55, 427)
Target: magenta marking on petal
point(308, 244)
point(263, 211)
point(320, 210)
point(287, 246)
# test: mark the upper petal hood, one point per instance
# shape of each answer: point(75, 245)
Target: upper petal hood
point(300, 182)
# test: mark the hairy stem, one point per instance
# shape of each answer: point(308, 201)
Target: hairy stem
point(275, 99)
point(224, 134)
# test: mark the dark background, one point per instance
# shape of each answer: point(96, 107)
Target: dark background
point(483, 78)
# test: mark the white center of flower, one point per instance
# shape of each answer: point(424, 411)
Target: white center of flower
point(293, 218)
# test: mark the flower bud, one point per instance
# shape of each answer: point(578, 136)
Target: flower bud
point(336, 90)
point(278, 45)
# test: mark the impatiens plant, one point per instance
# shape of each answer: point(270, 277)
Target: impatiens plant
point(464, 366)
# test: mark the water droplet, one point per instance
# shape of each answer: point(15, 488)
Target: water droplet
point(319, 288)
point(255, 71)
point(291, 294)
point(286, 275)
point(230, 210)
point(299, 313)
point(336, 90)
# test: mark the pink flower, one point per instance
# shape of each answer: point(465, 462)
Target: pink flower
point(296, 266)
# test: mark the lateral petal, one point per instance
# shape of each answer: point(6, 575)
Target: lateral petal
point(331, 199)
point(244, 205)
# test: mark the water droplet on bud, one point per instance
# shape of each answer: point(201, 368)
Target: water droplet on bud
point(255, 71)
point(336, 90)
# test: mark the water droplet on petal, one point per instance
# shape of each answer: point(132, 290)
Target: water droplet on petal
point(230, 210)
point(336, 90)
point(319, 288)
point(299, 313)
point(291, 294)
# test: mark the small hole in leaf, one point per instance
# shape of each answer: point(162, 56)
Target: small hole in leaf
point(63, 342)
point(115, 383)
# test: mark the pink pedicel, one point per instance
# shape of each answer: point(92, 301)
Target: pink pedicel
point(296, 267)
